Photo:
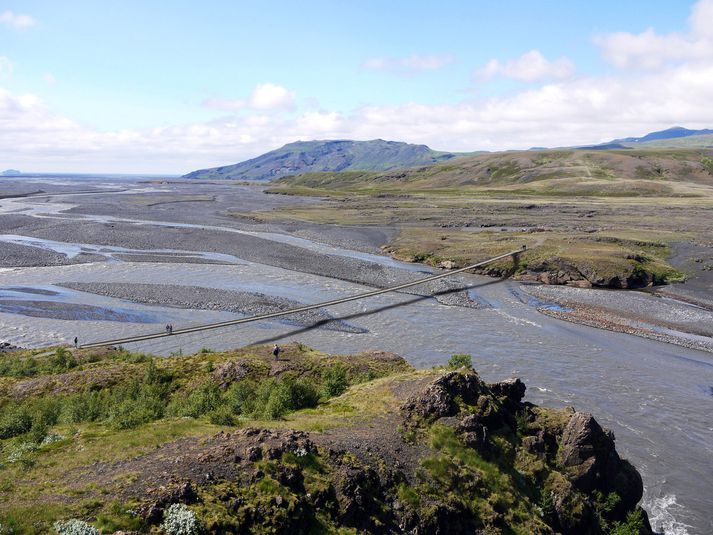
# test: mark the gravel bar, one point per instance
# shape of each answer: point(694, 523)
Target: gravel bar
point(196, 297)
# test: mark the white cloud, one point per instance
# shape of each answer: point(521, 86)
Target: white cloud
point(650, 50)
point(529, 67)
point(6, 65)
point(271, 96)
point(408, 65)
point(263, 97)
point(568, 111)
point(17, 20)
point(701, 18)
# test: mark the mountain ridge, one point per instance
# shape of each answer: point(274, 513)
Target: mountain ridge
point(327, 156)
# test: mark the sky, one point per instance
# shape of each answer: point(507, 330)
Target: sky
point(167, 87)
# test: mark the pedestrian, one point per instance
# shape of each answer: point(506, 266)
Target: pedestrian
point(276, 352)
point(170, 328)
point(76, 341)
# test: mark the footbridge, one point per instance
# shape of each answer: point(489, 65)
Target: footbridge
point(261, 317)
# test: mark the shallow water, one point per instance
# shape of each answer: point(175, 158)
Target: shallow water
point(656, 397)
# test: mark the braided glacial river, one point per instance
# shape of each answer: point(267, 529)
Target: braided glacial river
point(656, 397)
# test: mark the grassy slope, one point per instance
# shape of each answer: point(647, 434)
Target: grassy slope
point(622, 173)
point(39, 484)
point(606, 214)
point(96, 469)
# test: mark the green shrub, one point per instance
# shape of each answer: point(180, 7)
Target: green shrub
point(88, 406)
point(200, 401)
point(334, 381)
point(303, 395)
point(15, 420)
point(15, 367)
point(460, 361)
point(155, 375)
point(240, 397)
point(62, 360)
point(707, 164)
point(9, 526)
point(633, 526)
point(223, 415)
point(274, 399)
point(45, 413)
point(136, 404)
point(277, 398)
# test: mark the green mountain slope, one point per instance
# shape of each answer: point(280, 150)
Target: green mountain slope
point(325, 156)
point(552, 172)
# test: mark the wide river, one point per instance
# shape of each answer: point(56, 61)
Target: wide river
point(656, 397)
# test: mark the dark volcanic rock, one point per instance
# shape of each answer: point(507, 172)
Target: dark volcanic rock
point(590, 459)
point(439, 398)
point(512, 389)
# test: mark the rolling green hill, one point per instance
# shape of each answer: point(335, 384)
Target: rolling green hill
point(644, 172)
point(324, 156)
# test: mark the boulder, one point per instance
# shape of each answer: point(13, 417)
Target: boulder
point(512, 389)
point(588, 454)
point(439, 398)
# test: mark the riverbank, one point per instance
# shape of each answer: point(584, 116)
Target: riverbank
point(637, 313)
point(241, 441)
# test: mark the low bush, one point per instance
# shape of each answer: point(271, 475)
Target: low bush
point(334, 381)
point(136, 404)
point(15, 420)
point(74, 527)
point(200, 401)
point(633, 526)
point(180, 520)
point(460, 361)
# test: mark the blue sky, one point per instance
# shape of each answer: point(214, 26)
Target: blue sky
point(171, 86)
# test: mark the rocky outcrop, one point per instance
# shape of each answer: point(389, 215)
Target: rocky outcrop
point(580, 465)
point(591, 462)
point(439, 399)
point(7, 347)
point(465, 457)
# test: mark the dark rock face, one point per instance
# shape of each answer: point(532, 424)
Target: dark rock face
point(512, 389)
point(358, 492)
point(159, 499)
point(588, 453)
point(439, 398)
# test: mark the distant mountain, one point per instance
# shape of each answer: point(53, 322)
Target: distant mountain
point(675, 137)
point(327, 156)
point(10, 172)
point(669, 133)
